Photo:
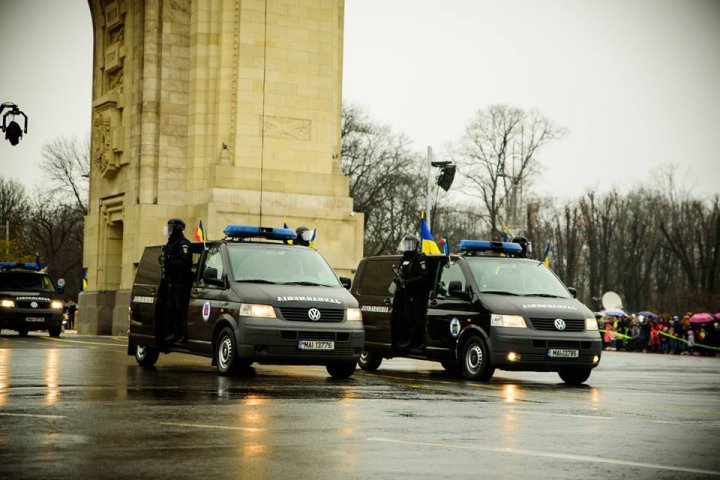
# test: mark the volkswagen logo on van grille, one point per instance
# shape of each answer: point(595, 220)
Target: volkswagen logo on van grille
point(34, 304)
point(560, 324)
point(314, 314)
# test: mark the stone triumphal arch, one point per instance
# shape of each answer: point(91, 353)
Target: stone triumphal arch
point(222, 110)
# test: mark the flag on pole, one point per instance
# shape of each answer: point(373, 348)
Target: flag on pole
point(506, 234)
point(546, 254)
point(285, 225)
point(84, 278)
point(313, 239)
point(428, 242)
point(200, 234)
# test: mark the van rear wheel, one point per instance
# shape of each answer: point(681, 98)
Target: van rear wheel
point(475, 360)
point(575, 376)
point(54, 331)
point(340, 370)
point(146, 356)
point(369, 360)
point(226, 358)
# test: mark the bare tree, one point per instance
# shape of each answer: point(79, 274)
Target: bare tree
point(497, 156)
point(66, 164)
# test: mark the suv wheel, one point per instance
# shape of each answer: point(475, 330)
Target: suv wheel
point(575, 376)
point(226, 358)
point(369, 360)
point(475, 360)
point(340, 370)
point(146, 356)
point(23, 332)
point(450, 367)
point(54, 331)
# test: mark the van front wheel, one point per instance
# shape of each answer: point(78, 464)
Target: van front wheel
point(475, 360)
point(340, 370)
point(226, 352)
point(369, 360)
point(146, 356)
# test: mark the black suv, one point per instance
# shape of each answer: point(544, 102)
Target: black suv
point(29, 300)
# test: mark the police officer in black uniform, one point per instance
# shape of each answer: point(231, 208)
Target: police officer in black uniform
point(176, 262)
point(524, 244)
point(413, 293)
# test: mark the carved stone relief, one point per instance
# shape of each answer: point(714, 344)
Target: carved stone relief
point(290, 128)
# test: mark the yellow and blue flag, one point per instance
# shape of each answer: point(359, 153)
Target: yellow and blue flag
point(285, 225)
point(428, 242)
point(313, 240)
point(546, 254)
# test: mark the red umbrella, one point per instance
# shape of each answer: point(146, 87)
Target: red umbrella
point(701, 318)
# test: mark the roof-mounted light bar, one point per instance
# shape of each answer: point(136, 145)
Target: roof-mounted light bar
point(241, 232)
point(478, 246)
point(24, 266)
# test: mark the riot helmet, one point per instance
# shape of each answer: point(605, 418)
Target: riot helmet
point(524, 244)
point(304, 235)
point(174, 225)
point(409, 243)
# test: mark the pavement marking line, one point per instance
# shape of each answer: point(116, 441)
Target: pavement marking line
point(33, 415)
point(83, 342)
point(561, 456)
point(217, 427)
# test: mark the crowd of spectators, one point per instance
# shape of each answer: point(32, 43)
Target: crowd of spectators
point(660, 334)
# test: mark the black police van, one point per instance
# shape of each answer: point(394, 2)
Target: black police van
point(488, 308)
point(29, 300)
point(255, 298)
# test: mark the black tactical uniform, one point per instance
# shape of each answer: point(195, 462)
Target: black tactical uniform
point(176, 261)
point(411, 296)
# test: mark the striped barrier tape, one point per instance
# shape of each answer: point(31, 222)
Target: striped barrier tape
point(626, 337)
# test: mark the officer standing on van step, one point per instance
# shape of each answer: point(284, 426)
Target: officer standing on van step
point(176, 263)
point(414, 292)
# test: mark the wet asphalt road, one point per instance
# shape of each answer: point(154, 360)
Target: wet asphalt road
point(79, 407)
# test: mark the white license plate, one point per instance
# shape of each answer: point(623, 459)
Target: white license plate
point(316, 345)
point(563, 353)
point(34, 319)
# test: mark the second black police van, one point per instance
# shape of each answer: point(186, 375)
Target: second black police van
point(254, 298)
point(488, 308)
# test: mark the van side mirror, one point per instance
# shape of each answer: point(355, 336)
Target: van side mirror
point(455, 289)
point(210, 277)
point(346, 282)
point(573, 291)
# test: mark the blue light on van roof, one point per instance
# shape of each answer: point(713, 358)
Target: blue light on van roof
point(469, 246)
point(247, 231)
point(26, 266)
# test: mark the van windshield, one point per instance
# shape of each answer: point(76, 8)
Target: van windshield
point(280, 265)
point(25, 281)
point(505, 276)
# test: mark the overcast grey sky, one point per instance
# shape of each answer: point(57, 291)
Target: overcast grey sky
point(635, 82)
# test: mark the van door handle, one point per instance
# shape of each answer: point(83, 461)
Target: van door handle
point(153, 291)
point(387, 302)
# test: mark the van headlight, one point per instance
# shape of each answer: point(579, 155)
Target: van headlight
point(257, 310)
point(354, 315)
point(56, 304)
point(591, 324)
point(512, 321)
point(6, 303)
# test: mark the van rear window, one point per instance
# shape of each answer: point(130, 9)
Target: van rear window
point(376, 278)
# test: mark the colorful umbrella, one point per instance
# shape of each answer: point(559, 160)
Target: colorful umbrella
point(717, 316)
point(701, 318)
point(616, 312)
point(648, 314)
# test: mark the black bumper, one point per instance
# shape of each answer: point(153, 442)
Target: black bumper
point(533, 347)
point(30, 319)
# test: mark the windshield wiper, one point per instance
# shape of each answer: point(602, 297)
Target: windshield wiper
point(547, 295)
point(256, 280)
point(499, 292)
point(308, 284)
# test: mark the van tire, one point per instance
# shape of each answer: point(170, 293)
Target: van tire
point(576, 376)
point(369, 360)
point(475, 360)
point(146, 356)
point(340, 370)
point(226, 359)
point(23, 332)
point(54, 331)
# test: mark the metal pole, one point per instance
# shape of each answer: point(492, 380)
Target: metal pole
point(7, 237)
point(429, 187)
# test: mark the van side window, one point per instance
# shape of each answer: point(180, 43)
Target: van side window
point(451, 272)
point(376, 278)
point(213, 259)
